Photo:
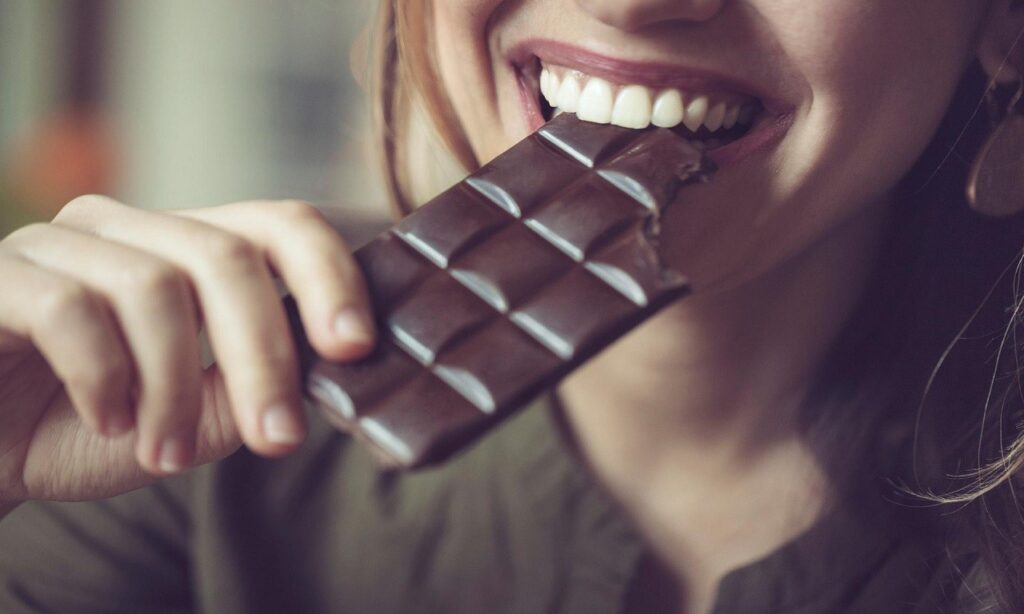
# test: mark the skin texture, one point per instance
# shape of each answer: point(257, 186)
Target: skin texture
point(841, 154)
point(107, 300)
point(778, 246)
point(99, 375)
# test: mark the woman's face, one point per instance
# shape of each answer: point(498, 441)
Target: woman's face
point(847, 95)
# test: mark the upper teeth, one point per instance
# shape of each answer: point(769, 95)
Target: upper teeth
point(637, 106)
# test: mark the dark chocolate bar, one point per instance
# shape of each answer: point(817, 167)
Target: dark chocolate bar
point(503, 284)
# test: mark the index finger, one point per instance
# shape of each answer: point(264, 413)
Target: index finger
point(315, 263)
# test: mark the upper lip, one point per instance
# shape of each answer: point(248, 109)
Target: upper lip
point(651, 74)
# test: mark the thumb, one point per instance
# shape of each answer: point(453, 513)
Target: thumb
point(65, 460)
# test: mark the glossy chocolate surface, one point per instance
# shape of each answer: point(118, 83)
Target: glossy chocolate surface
point(502, 285)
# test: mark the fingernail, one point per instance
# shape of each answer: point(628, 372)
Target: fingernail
point(175, 455)
point(351, 326)
point(280, 426)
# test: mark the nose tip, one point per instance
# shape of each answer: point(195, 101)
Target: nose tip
point(636, 14)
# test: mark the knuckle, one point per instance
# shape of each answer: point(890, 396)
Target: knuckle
point(64, 300)
point(231, 250)
point(172, 399)
point(27, 233)
point(173, 382)
point(154, 278)
point(271, 371)
point(297, 211)
point(280, 354)
point(98, 377)
point(81, 205)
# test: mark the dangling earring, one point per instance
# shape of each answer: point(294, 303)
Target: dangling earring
point(995, 186)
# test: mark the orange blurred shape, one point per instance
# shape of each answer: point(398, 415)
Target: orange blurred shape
point(70, 153)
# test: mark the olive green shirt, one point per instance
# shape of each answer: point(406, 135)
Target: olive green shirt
point(515, 525)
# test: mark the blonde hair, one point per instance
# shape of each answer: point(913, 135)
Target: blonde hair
point(422, 145)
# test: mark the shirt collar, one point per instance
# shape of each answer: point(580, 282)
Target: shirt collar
point(814, 570)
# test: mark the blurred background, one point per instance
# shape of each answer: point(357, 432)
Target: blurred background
point(182, 103)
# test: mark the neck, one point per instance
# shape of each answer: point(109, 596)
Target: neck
point(697, 409)
point(715, 381)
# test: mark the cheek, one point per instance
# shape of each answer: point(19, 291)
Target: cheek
point(878, 80)
point(464, 61)
point(477, 11)
point(460, 37)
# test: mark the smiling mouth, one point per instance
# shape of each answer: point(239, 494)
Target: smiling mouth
point(709, 117)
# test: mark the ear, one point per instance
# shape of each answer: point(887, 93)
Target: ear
point(1001, 47)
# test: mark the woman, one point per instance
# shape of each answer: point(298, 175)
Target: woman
point(754, 448)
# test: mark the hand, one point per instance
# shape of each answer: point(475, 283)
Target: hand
point(101, 386)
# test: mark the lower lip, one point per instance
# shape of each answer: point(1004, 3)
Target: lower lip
point(531, 108)
point(765, 134)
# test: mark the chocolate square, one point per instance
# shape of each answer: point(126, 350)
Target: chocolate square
point(630, 264)
point(510, 267)
point(422, 422)
point(450, 224)
point(439, 313)
point(652, 170)
point(390, 269)
point(525, 176)
point(589, 144)
point(497, 368)
point(350, 388)
point(571, 316)
point(580, 217)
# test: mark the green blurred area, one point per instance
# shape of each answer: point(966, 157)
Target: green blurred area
point(13, 214)
point(181, 103)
